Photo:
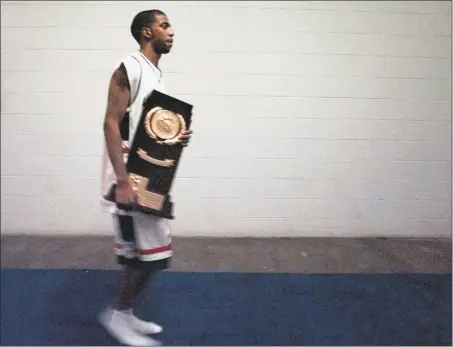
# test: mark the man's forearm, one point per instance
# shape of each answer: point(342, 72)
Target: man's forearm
point(114, 145)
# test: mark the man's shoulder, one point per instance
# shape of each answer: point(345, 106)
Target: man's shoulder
point(129, 60)
point(131, 63)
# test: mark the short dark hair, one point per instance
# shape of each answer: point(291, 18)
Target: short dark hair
point(142, 19)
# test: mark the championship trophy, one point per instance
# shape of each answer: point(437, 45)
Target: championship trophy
point(155, 152)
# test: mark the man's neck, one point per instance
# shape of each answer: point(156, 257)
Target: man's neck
point(151, 55)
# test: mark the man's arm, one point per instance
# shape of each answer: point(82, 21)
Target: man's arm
point(117, 102)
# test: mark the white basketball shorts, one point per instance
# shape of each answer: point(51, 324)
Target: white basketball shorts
point(142, 239)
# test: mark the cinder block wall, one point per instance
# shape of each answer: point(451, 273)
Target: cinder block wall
point(311, 118)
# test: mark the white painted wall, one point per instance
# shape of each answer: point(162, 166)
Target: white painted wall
point(311, 118)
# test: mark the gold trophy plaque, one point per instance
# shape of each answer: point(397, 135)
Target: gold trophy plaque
point(155, 152)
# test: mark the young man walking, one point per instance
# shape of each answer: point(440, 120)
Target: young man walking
point(143, 242)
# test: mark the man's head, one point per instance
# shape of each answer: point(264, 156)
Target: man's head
point(153, 26)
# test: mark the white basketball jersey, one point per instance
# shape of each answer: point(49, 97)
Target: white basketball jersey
point(143, 77)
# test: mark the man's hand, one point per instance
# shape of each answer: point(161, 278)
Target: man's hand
point(185, 137)
point(125, 194)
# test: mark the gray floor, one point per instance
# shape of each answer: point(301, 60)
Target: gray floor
point(300, 255)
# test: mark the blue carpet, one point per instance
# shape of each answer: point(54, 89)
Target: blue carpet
point(59, 307)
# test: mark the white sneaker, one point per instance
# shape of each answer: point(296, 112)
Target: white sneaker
point(119, 326)
point(148, 328)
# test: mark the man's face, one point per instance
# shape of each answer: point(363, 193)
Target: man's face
point(160, 34)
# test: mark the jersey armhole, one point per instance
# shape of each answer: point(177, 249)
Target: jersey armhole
point(133, 71)
point(123, 69)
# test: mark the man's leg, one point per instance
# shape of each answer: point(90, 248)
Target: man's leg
point(140, 233)
point(143, 282)
point(144, 278)
point(132, 283)
point(151, 269)
point(119, 321)
point(134, 272)
point(153, 243)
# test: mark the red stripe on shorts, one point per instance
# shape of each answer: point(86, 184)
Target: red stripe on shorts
point(155, 250)
point(150, 250)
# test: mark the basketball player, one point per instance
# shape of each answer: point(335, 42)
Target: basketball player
point(143, 242)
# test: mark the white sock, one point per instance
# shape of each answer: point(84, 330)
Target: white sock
point(128, 312)
point(142, 326)
point(118, 324)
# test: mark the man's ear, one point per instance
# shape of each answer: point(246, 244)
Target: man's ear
point(147, 34)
